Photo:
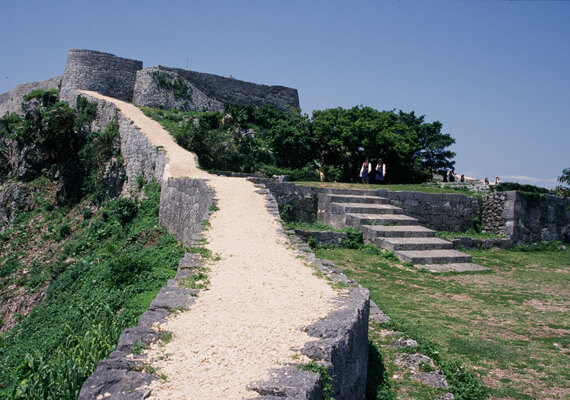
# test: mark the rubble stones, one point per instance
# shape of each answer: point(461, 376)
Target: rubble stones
point(433, 379)
point(413, 361)
point(403, 342)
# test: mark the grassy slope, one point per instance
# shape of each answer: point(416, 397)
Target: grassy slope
point(101, 278)
point(509, 326)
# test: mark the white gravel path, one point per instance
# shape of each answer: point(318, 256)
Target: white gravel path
point(261, 295)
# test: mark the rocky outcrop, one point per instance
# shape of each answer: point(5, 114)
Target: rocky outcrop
point(14, 197)
point(12, 101)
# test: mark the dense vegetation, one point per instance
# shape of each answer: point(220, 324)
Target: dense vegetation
point(334, 141)
point(77, 262)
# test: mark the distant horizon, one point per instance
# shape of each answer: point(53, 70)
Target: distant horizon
point(494, 73)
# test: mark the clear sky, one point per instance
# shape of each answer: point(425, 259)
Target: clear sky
point(495, 73)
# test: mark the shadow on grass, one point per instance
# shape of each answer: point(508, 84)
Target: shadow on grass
point(377, 385)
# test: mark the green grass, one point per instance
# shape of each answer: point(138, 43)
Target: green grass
point(427, 187)
point(509, 327)
point(470, 233)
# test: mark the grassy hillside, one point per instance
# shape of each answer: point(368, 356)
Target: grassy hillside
point(77, 263)
point(97, 281)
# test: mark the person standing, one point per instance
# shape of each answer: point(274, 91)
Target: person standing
point(365, 171)
point(380, 171)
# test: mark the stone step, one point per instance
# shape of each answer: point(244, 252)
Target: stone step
point(358, 219)
point(371, 232)
point(353, 198)
point(413, 243)
point(433, 256)
point(452, 267)
point(366, 208)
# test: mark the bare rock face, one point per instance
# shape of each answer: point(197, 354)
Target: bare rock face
point(14, 197)
point(11, 102)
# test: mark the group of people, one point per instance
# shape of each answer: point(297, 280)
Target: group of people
point(450, 177)
point(380, 173)
point(366, 171)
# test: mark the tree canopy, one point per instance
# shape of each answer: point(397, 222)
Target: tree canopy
point(335, 141)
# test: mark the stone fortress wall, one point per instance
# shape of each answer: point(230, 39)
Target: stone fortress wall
point(157, 86)
point(100, 72)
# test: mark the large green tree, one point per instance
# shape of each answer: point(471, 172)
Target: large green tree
point(412, 149)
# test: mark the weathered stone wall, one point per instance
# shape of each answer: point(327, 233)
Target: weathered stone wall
point(157, 88)
point(140, 156)
point(235, 91)
point(302, 199)
point(539, 218)
point(443, 212)
point(493, 213)
point(526, 219)
point(184, 204)
point(123, 78)
point(100, 72)
point(323, 238)
point(12, 101)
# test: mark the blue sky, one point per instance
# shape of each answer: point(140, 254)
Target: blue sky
point(495, 73)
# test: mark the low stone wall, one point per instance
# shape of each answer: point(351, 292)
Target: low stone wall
point(466, 242)
point(540, 218)
point(445, 212)
point(323, 238)
point(442, 212)
point(302, 199)
point(493, 213)
point(527, 218)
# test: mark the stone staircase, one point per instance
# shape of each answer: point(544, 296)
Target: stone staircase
point(388, 227)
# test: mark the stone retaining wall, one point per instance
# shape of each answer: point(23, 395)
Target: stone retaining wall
point(521, 219)
point(141, 158)
point(445, 212)
point(184, 205)
point(323, 238)
point(439, 211)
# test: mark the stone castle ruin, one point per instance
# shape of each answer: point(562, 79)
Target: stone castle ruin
point(156, 86)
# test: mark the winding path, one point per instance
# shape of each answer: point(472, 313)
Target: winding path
point(260, 296)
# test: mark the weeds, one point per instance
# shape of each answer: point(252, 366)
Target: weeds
point(326, 379)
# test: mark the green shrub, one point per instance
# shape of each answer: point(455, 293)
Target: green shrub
point(62, 231)
point(287, 213)
point(125, 268)
point(354, 239)
point(124, 210)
